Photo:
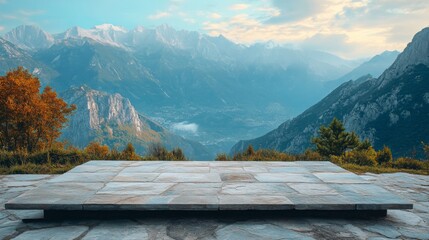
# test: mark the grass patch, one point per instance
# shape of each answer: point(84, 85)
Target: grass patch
point(379, 169)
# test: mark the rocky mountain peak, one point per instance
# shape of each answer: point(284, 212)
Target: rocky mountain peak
point(416, 52)
point(29, 37)
point(103, 108)
point(110, 27)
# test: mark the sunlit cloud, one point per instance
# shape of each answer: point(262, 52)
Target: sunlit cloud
point(159, 15)
point(349, 28)
point(239, 6)
point(215, 16)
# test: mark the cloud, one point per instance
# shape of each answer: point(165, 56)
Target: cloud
point(29, 13)
point(185, 127)
point(239, 6)
point(295, 10)
point(215, 15)
point(159, 15)
point(349, 28)
point(334, 43)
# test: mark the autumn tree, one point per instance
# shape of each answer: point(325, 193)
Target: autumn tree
point(129, 152)
point(96, 150)
point(334, 140)
point(29, 120)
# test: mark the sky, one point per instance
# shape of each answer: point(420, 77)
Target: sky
point(348, 28)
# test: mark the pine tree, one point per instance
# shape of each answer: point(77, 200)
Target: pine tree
point(250, 151)
point(334, 140)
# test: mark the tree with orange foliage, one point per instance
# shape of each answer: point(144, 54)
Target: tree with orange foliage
point(29, 120)
point(97, 151)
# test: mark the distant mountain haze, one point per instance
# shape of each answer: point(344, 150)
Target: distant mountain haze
point(391, 110)
point(228, 91)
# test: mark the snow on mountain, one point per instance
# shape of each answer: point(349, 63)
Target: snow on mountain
point(105, 34)
point(29, 37)
point(12, 56)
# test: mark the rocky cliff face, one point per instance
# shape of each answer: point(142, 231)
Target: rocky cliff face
point(112, 120)
point(392, 110)
point(416, 52)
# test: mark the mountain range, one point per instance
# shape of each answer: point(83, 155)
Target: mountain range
point(208, 89)
point(391, 110)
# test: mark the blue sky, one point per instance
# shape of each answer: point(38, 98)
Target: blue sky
point(349, 28)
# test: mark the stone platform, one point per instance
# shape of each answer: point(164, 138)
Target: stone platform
point(208, 186)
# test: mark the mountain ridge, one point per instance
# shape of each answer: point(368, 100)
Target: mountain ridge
point(230, 91)
point(391, 110)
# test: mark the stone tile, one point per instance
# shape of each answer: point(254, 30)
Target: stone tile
point(135, 188)
point(313, 188)
point(148, 163)
point(182, 169)
point(67, 196)
point(385, 230)
point(257, 231)
point(25, 177)
point(95, 169)
point(405, 217)
point(413, 233)
point(109, 163)
point(198, 202)
point(227, 170)
point(332, 177)
point(288, 170)
point(254, 202)
point(188, 163)
point(371, 197)
point(7, 231)
point(219, 164)
point(135, 177)
point(63, 232)
point(194, 189)
point(142, 169)
point(255, 169)
point(117, 229)
point(320, 202)
point(279, 164)
point(286, 177)
point(188, 177)
point(27, 214)
point(237, 177)
point(273, 189)
point(127, 202)
point(84, 177)
point(10, 184)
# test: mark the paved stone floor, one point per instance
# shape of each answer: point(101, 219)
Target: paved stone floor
point(399, 224)
point(166, 185)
